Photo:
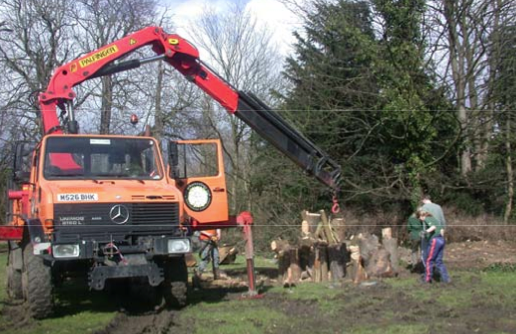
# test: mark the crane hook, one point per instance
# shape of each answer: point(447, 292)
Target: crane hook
point(336, 207)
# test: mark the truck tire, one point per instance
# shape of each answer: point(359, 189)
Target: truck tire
point(14, 277)
point(37, 284)
point(175, 286)
point(143, 292)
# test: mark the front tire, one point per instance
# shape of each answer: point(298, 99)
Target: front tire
point(37, 284)
point(175, 286)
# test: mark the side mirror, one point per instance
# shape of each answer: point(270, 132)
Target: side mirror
point(22, 162)
point(173, 159)
point(21, 176)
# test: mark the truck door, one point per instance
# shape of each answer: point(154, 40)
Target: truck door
point(198, 168)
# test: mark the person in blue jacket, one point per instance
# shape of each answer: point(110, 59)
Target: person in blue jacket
point(434, 253)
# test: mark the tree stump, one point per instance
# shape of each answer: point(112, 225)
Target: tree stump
point(358, 273)
point(320, 268)
point(380, 264)
point(289, 269)
point(391, 245)
point(368, 245)
point(337, 257)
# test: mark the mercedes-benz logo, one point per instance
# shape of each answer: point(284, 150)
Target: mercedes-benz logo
point(119, 214)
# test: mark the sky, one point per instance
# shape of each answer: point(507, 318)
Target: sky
point(271, 13)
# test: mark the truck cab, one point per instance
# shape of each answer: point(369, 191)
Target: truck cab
point(110, 208)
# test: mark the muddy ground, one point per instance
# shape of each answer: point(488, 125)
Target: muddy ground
point(467, 255)
point(358, 305)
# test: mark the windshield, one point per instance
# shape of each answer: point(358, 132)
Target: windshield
point(97, 158)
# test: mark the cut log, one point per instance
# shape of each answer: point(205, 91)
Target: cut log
point(279, 246)
point(307, 256)
point(316, 274)
point(391, 246)
point(323, 261)
point(227, 254)
point(329, 234)
point(338, 224)
point(380, 264)
point(386, 233)
point(289, 269)
point(283, 267)
point(368, 245)
point(305, 228)
point(311, 219)
point(295, 268)
point(190, 260)
point(337, 257)
point(358, 274)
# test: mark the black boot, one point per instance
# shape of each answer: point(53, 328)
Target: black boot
point(216, 273)
point(196, 280)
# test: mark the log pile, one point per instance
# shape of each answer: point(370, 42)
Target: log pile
point(321, 254)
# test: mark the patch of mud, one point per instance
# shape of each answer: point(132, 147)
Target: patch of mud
point(305, 314)
point(479, 254)
point(156, 323)
point(15, 316)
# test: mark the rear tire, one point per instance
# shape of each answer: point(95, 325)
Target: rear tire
point(175, 286)
point(37, 284)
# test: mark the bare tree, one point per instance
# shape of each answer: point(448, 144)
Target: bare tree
point(462, 34)
point(242, 51)
point(100, 23)
point(33, 42)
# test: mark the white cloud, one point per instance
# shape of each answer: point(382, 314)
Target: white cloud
point(279, 19)
point(270, 13)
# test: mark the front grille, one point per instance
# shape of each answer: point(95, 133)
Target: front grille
point(99, 221)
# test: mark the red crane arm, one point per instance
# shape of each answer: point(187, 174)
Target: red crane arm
point(184, 57)
point(178, 53)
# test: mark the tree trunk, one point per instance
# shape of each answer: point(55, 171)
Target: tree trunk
point(158, 117)
point(510, 171)
point(107, 105)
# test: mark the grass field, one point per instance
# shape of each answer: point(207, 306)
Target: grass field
point(478, 301)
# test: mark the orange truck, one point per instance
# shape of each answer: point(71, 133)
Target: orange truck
point(107, 206)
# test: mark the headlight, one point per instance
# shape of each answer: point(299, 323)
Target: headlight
point(63, 251)
point(178, 246)
point(197, 196)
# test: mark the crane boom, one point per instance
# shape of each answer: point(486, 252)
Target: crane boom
point(184, 57)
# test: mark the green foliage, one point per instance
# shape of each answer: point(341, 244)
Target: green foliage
point(465, 203)
point(369, 101)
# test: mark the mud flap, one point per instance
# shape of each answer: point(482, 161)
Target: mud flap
point(17, 255)
point(99, 275)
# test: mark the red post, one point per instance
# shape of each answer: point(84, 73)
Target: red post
point(249, 256)
point(245, 220)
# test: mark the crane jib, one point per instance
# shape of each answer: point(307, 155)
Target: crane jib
point(287, 139)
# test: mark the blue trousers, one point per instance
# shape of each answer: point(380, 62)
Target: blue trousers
point(208, 250)
point(434, 260)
